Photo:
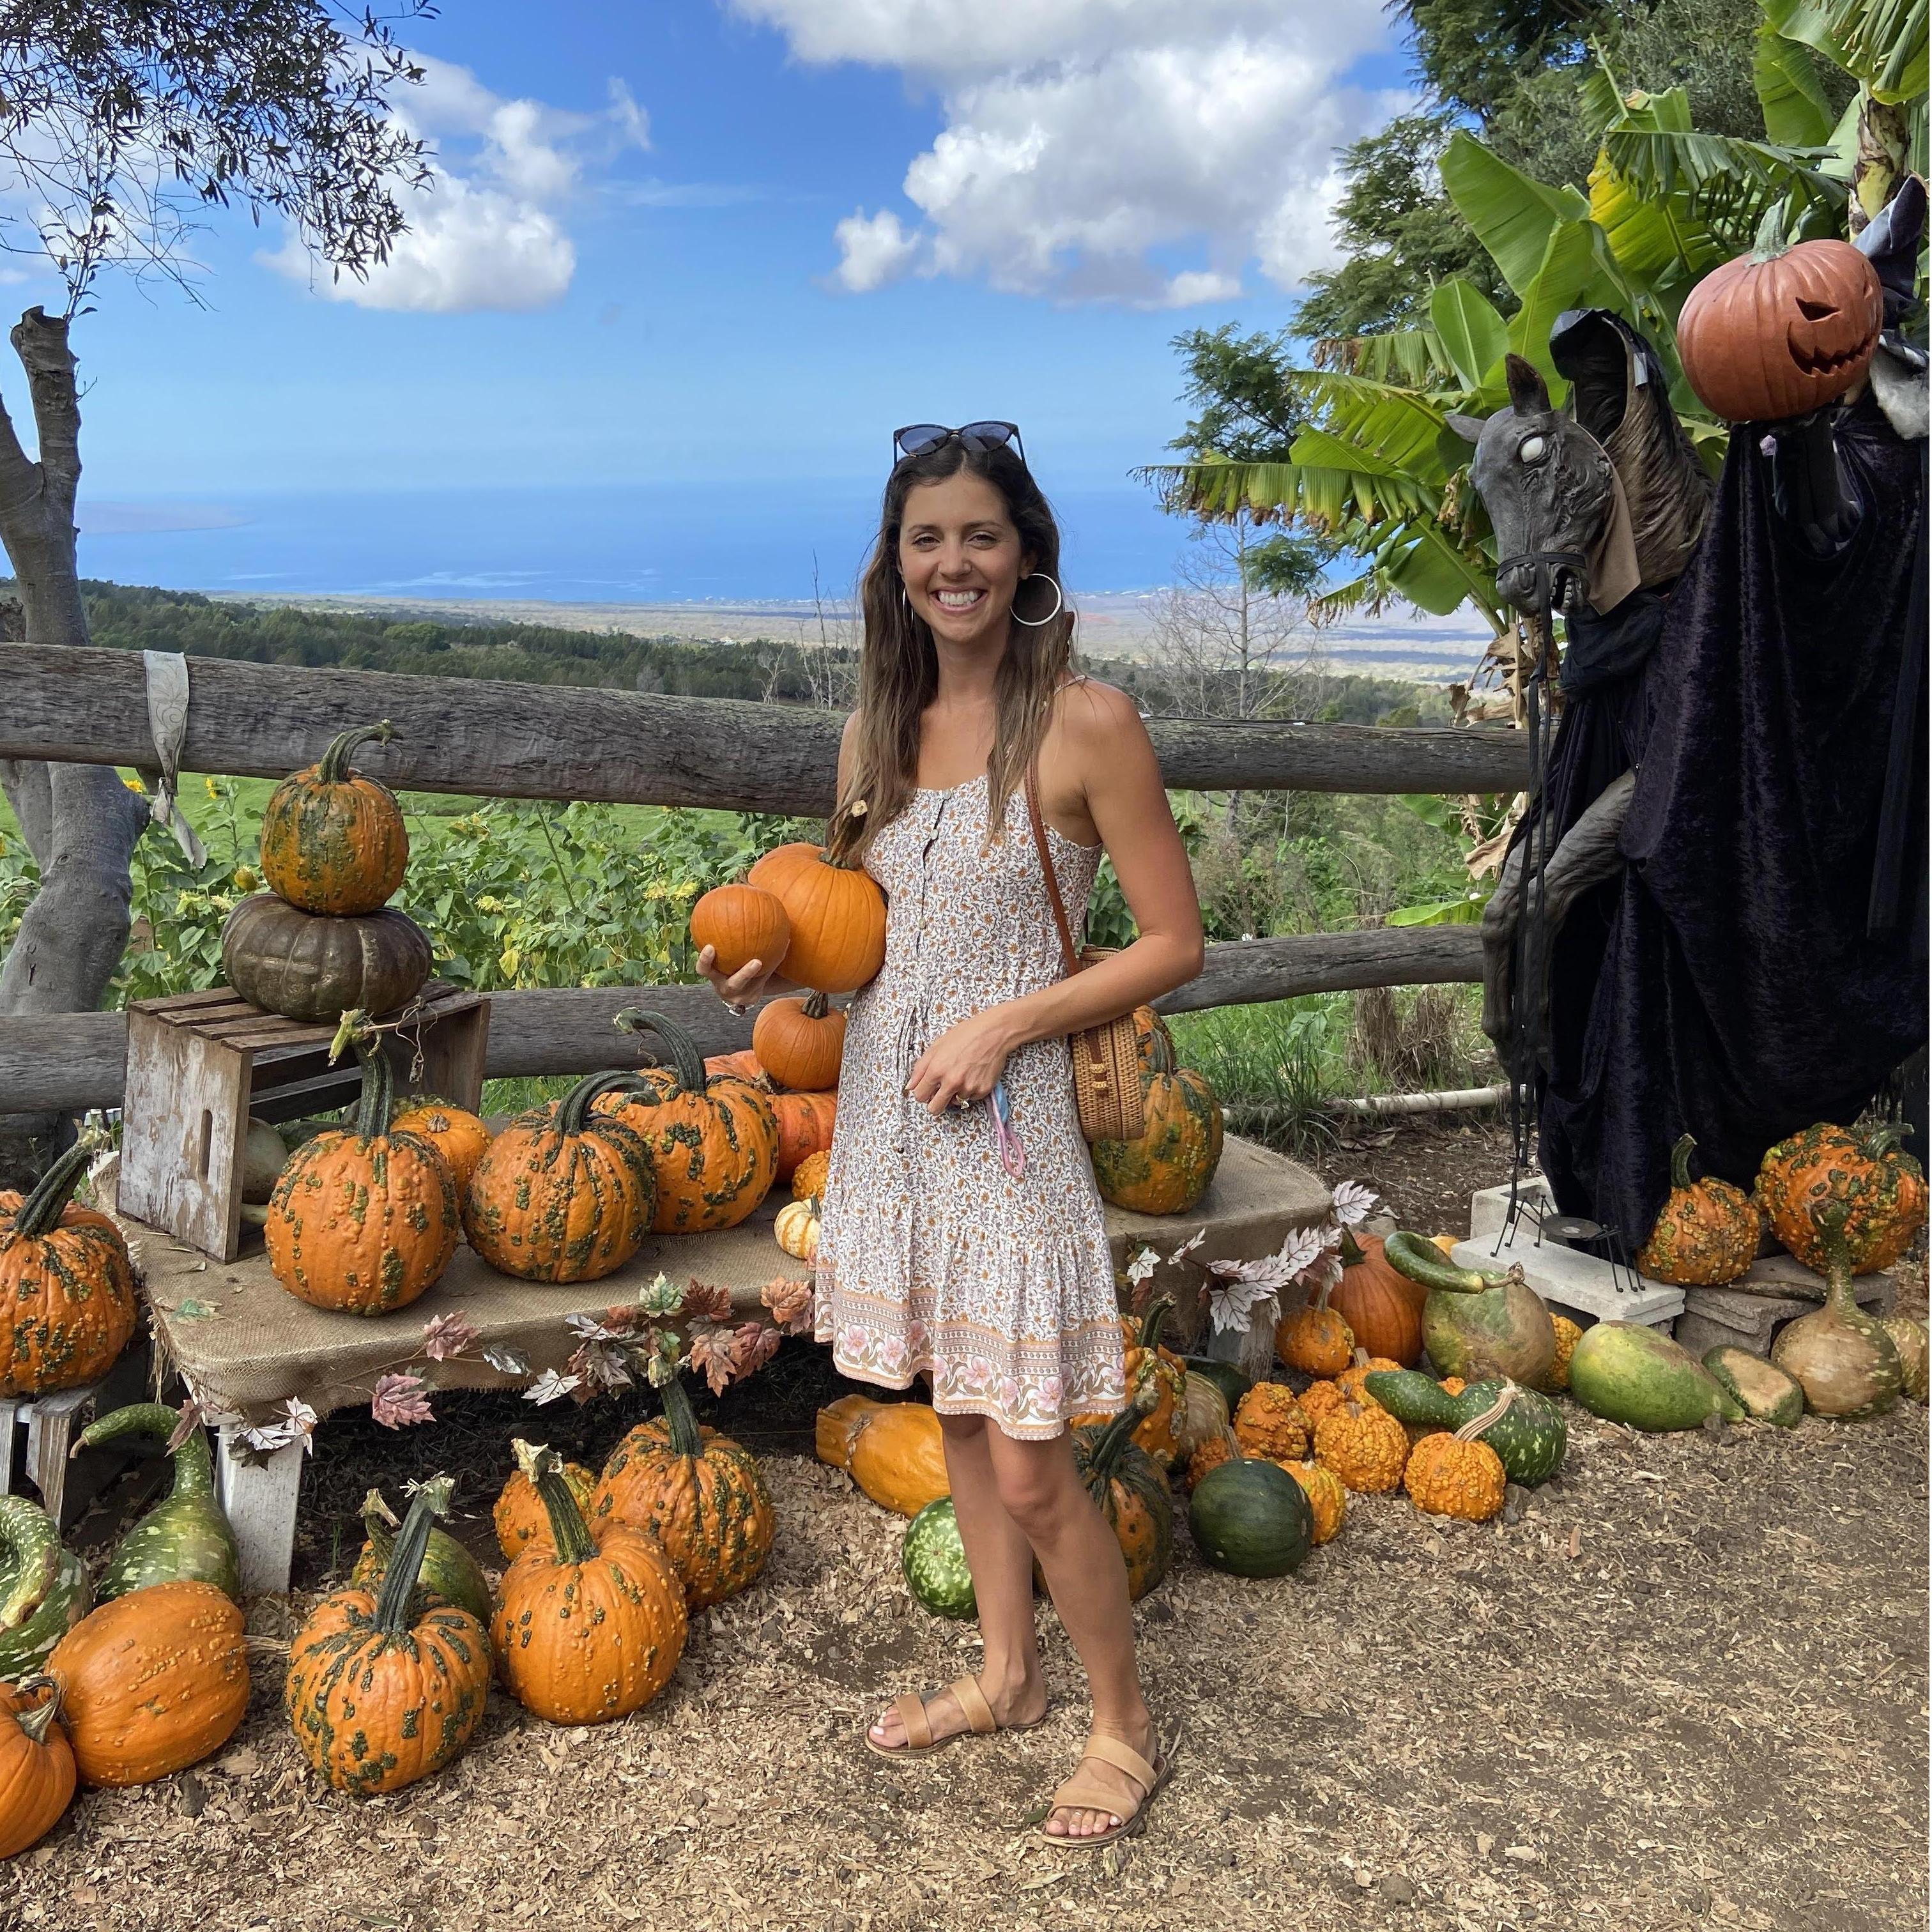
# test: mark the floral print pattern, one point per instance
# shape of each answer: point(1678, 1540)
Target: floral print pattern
point(932, 1257)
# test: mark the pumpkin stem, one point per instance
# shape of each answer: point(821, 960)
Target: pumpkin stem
point(1770, 242)
point(333, 767)
point(1114, 1439)
point(1151, 1323)
point(573, 1111)
point(1882, 1141)
point(817, 1006)
point(379, 1526)
point(1496, 1411)
point(1160, 1053)
point(686, 1061)
point(1680, 1161)
point(40, 1720)
point(568, 1529)
point(1829, 1218)
point(685, 1438)
point(40, 1213)
point(194, 1467)
point(398, 1587)
point(379, 1078)
point(1352, 1253)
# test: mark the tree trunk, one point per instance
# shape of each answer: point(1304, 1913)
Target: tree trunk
point(79, 821)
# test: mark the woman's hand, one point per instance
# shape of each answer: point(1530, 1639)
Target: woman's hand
point(965, 1062)
point(752, 981)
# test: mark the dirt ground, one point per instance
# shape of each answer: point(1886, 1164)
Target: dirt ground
point(1685, 1687)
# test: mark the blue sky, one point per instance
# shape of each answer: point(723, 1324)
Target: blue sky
point(731, 246)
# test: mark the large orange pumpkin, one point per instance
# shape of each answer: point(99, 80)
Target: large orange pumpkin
point(742, 1065)
point(364, 1221)
point(1882, 1189)
point(587, 1626)
point(805, 1124)
point(800, 1042)
point(1382, 1307)
point(1168, 1168)
point(713, 1140)
point(152, 1682)
point(1149, 1027)
point(563, 1194)
point(698, 1492)
point(838, 917)
point(332, 840)
point(37, 1770)
point(67, 1287)
point(387, 1685)
point(1782, 331)
point(742, 923)
point(461, 1135)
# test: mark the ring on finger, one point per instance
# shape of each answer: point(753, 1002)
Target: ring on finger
point(737, 1008)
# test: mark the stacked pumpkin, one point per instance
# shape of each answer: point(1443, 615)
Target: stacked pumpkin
point(823, 925)
point(129, 1679)
point(1168, 1169)
point(323, 939)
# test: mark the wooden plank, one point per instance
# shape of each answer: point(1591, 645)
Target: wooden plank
point(260, 1495)
point(508, 740)
point(72, 1060)
point(185, 1124)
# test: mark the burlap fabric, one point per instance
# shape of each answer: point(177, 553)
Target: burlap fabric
point(240, 1338)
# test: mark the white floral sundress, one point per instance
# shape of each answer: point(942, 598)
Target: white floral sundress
point(931, 1257)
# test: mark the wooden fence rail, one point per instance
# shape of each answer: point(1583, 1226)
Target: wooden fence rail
point(506, 740)
point(69, 1061)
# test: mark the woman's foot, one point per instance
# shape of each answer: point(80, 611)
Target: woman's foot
point(1123, 1794)
point(945, 1716)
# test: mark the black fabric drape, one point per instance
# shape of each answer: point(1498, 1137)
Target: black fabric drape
point(1737, 994)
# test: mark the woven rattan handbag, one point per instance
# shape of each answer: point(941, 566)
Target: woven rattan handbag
point(1106, 1058)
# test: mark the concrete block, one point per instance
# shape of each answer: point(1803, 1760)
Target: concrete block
point(1576, 1283)
point(1750, 1318)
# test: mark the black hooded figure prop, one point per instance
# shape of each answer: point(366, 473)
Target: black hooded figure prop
point(1747, 954)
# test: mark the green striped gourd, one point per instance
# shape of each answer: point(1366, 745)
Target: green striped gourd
point(186, 1537)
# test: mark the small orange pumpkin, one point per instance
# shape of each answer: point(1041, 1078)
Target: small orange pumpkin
point(364, 1221)
point(1381, 1305)
point(713, 1140)
point(742, 1065)
point(460, 1134)
point(37, 1769)
point(1707, 1231)
point(519, 1516)
point(893, 1450)
point(1314, 1339)
point(742, 923)
point(1126, 1484)
point(837, 916)
point(1364, 1445)
point(1327, 1498)
point(563, 1194)
point(67, 1287)
point(333, 840)
point(800, 1042)
point(1269, 1423)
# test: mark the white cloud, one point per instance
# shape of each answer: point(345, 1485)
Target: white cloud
point(1092, 147)
point(487, 232)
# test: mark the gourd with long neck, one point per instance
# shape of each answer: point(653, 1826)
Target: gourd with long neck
point(186, 1537)
point(44, 1587)
point(1845, 1359)
point(447, 1570)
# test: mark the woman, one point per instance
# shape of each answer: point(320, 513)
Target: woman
point(934, 1258)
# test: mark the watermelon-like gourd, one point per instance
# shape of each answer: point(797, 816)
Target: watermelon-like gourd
point(1760, 1387)
point(934, 1559)
point(1530, 1435)
point(1627, 1372)
point(44, 1587)
point(1251, 1518)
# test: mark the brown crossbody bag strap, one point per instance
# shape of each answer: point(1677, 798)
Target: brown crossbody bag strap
point(1105, 1058)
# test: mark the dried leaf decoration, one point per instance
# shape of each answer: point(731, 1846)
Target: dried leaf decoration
point(756, 1343)
point(450, 1335)
point(706, 1301)
point(791, 1302)
point(714, 1354)
point(401, 1401)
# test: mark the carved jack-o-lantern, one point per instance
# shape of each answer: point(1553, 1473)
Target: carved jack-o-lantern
point(1781, 331)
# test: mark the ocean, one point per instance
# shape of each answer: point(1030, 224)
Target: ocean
point(651, 543)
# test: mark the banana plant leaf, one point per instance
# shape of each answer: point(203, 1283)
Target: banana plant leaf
point(1881, 43)
point(1796, 114)
point(1474, 337)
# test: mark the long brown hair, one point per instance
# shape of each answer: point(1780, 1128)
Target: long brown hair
point(898, 669)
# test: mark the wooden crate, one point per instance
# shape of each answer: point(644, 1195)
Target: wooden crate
point(199, 1064)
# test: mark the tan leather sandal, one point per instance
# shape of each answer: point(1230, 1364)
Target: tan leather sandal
point(913, 1715)
point(1084, 1792)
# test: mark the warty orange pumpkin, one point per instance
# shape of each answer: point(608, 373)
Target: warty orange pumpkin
point(1707, 1231)
point(519, 1517)
point(460, 1135)
point(592, 1627)
point(1883, 1191)
point(37, 1768)
point(712, 1140)
point(388, 1685)
point(563, 1194)
point(837, 916)
point(152, 1682)
point(1364, 1445)
point(67, 1288)
point(333, 839)
point(698, 1492)
point(1129, 1489)
point(1168, 1168)
point(1269, 1422)
point(1314, 1339)
point(364, 1221)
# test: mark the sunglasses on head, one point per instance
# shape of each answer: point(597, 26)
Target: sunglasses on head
point(922, 439)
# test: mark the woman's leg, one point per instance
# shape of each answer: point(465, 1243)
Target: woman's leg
point(1086, 1577)
point(1001, 1561)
